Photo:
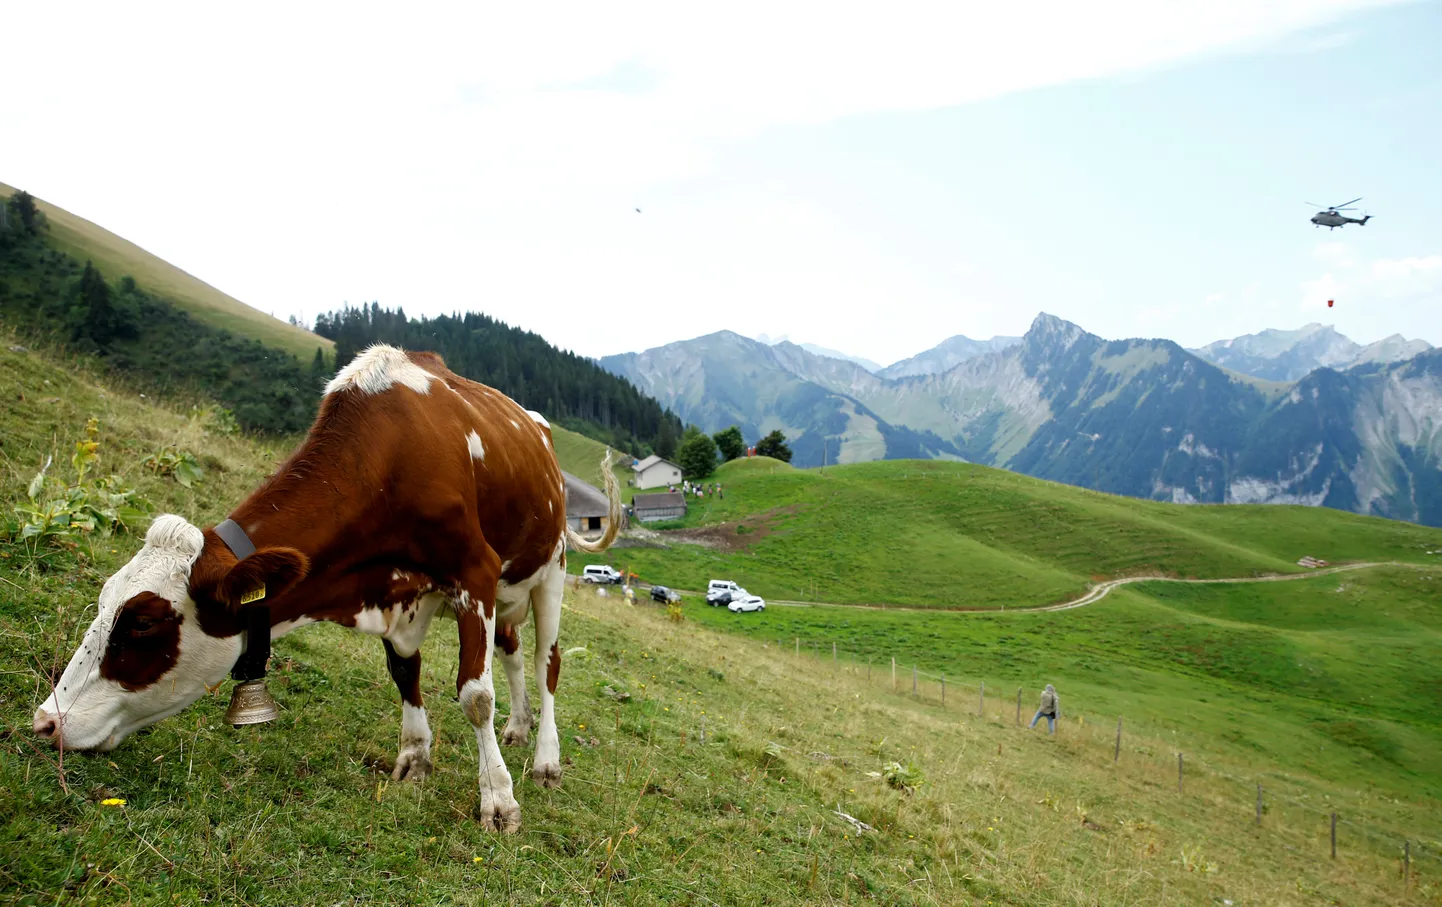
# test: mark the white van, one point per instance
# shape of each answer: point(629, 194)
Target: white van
point(722, 591)
point(600, 573)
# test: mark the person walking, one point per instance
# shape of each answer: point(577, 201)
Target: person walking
point(1050, 707)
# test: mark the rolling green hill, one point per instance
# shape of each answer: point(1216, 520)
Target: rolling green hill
point(1324, 690)
point(116, 258)
point(581, 457)
point(955, 535)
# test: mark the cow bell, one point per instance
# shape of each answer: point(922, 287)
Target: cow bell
point(250, 703)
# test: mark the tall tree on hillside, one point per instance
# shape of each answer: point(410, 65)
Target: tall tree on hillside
point(666, 440)
point(774, 446)
point(23, 205)
point(697, 456)
point(730, 443)
point(92, 315)
point(319, 374)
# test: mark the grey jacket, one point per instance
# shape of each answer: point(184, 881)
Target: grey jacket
point(1050, 702)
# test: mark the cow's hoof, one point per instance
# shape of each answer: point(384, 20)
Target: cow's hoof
point(412, 765)
point(516, 733)
point(547, 775)
point(499, 812)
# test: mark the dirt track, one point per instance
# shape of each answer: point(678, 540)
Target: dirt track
point(1101, 590)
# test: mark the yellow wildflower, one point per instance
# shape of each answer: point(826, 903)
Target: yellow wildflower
point(112, 801)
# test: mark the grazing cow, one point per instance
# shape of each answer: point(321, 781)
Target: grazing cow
point(416, 493)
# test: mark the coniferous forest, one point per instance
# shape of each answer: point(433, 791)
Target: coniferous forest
point(568, 389)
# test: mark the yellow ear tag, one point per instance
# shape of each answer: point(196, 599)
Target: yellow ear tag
point(255, 596)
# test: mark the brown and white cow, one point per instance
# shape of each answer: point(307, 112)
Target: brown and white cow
point(416, 493)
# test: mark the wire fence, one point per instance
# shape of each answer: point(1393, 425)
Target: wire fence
point(1324, 826)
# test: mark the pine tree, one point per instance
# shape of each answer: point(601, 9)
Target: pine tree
point(319, 374)
point(23, 205)
point(92, 312)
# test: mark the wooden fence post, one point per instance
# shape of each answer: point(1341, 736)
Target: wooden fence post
point(1259, 805)
point(798, 648)
point(1179, 773)
point(703, 730)
point(1406, 863)
point(833, 656)
point(1118, 754)
point(981, 701)
point(1018, 706)
point(1334, 836)
point(893, 673)
point(943, 689)
point(913, 680)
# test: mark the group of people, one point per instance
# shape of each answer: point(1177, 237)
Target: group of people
point(700, 490)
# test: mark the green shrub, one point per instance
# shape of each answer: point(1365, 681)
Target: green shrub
point(57, 513)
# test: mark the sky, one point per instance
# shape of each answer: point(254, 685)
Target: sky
point(872, 178)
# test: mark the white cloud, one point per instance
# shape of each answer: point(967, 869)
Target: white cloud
point(488, 156)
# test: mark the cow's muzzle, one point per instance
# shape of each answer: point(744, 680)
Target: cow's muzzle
point(47, 726)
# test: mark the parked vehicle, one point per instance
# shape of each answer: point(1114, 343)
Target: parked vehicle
point(664, 595)
point(722, 591)
point(746, 602)
point(603, 574)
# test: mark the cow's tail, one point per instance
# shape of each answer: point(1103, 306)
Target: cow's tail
point(613, 521)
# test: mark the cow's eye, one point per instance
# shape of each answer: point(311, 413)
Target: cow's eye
point(144, 626)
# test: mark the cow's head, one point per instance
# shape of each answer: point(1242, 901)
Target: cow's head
point(148, 654)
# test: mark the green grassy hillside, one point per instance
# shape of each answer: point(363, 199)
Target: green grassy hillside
point(116, 258)
point(581, 457)
point(954, 535)
point(301, 811)
point(1339, 674)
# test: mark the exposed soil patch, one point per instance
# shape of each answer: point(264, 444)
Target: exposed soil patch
point(734, 536)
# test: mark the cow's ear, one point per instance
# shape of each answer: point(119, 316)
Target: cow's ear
point(266, 574)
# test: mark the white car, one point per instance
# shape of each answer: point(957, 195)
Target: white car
point(746, 602)
point(600, 573)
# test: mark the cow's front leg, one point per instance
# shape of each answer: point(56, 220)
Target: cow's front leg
point(475, 606)
point(519, 724)
point(403, 657)
point(413, 762)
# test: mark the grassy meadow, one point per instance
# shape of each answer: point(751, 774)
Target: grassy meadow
point(1324, 690)
point(960, 536)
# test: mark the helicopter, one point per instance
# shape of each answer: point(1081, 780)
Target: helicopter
point(1331, 219)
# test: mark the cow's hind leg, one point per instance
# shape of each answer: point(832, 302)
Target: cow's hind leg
point(475, 604)
point(521, 720)
point(546, 604)
point(403, 657)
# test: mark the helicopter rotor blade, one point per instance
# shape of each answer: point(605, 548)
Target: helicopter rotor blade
point(1345, 204)
point(1314, 204)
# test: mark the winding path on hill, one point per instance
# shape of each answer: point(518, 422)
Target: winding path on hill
point(1101, 590)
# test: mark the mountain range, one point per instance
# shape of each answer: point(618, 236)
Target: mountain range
point(1140, 417)
point(1288, 355)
